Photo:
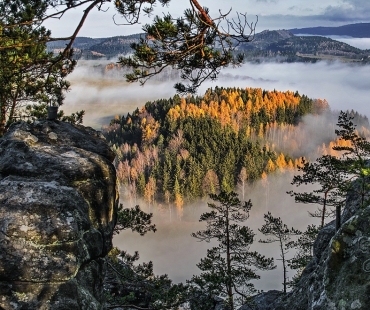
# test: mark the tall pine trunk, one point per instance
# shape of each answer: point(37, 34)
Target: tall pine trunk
point(2, 117)
point(229, 287)
point(284, 265)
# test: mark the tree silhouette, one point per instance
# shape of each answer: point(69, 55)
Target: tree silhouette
point(135, 286)
point(230, 266)
point(279, 232)
point(196, 44)
point(304, 251)
point(355, 161)
point(134, 219)
point(336, 176)
point(28, 73)
point(324, 172)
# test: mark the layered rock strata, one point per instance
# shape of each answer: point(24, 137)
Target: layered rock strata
point(58, 202)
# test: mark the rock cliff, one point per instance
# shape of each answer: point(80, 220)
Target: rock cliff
point(58, 203)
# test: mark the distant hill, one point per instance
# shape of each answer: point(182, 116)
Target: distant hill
point(263, 39)
point(361, 30)
point(80, 43)
point(284, 46)
point(98, 47)
point(116, 45)
point(275, 45)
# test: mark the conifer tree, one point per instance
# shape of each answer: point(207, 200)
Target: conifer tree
point(28, 73)
point(279, 232)
point(194, 43)
point(135, 286)
point(336, 176)
point(229, 267)
point(324, 172)
point(304, 252)
point(355, 161)
point(134, 219)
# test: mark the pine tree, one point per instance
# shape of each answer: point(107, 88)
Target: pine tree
point(230, 266)
point(279, 232)
point(324, 172)
point(304, 251)
point(355, 161)
point(28, 73)
point(135, 286)
point(336, 176)
point(134, 219)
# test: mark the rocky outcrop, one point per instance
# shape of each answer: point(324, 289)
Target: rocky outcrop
point(58, 203)
point(338, 277)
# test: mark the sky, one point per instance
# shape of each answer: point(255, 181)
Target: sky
point(272, 14)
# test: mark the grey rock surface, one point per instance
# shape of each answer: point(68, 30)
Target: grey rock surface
point(58, 202)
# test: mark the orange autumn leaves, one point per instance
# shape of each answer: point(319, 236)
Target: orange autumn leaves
point(230, 109)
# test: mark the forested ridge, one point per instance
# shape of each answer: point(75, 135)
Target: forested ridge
point(304, 48)
point(180, 149)
point(358, 30)
point(268, 45)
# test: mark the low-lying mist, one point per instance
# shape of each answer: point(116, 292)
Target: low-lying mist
point(103, 95)
point(174, 252)
point(106, 94)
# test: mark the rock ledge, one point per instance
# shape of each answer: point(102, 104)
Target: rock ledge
point(58, 202)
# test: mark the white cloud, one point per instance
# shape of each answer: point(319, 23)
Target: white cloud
point(273, 14)
point(348, 10)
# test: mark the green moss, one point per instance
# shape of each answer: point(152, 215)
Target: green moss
point(342, 304)
point(335, 246)
point(351, 227)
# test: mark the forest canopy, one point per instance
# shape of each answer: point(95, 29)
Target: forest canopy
point(184, 148)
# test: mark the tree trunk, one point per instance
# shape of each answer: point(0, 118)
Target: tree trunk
point(228, 262)
point(283, 258)
point(337, 217)
point(324, 210)
point(2, 117)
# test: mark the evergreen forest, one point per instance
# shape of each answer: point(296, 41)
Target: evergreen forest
point(181, 149)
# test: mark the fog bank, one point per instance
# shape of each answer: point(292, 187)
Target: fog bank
point(174, 252)
point(102, 95)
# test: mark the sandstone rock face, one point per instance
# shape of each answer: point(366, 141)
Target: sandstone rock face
point(58, 202)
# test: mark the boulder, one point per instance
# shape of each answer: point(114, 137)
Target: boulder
point(58, 204)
